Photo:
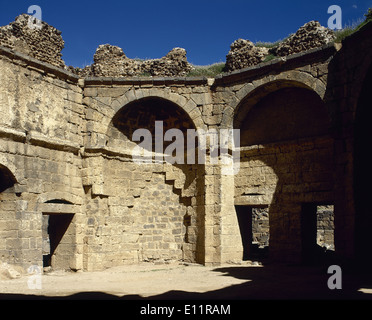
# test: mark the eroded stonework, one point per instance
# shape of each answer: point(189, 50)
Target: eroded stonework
point(243, 54)
point(110, 61)
point(310, 35)
point(44, 44)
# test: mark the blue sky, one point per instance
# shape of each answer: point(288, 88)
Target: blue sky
point(150, 29)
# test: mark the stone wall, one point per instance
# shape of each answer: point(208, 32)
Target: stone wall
point(260, 227)
point(41, 134)
point(348, 74)
point(123, 213)
point(325, 227)
point(66, 151)
point(157, 207)
point(283, 177)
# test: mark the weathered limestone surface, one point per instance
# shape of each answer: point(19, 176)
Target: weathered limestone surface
point(44, 44)
point(110, 61)
point(243, 54)
point(310, 35)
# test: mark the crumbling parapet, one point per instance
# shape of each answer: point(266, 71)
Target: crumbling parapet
point(110, 61)
point(244, 53)
point(310, 35)
point(44, 43)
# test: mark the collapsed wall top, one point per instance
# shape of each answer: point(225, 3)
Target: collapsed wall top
point(44, 43)
point(243, 53)
point(110, 61)
point(310, 35)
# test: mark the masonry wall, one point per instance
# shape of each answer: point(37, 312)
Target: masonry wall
point(147, 216)
point(41, 134)
point(209, 231)
point(64, 150)
point(154, 206)
point(283, 177)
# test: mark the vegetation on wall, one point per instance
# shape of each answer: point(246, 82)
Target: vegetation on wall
point(218, 68)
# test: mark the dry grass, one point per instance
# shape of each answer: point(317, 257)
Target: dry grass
point(211, 70)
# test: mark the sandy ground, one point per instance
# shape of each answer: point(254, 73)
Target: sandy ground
point(180, 281)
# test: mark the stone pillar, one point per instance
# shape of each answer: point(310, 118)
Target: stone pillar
point(231, 241)
point(212, 218)
point(29, 232)
point(223, 241)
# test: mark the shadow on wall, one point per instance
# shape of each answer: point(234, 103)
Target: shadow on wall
point(290, 128)
point(271, 282)
point(363, 172)
point(7, 179)
point(185, 179)
point(142, 114)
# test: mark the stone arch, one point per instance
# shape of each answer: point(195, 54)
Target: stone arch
point(10, 243)
point(17, 174)
point(299, 113)
point(187, 104)
point(142, 114)
point(59, 195)
point(7, 178)
point(259, 88)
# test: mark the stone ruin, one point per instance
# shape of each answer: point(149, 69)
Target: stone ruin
point(44, 44)
point(72, 197)
point(243, 53)
point(110, 61)
point(309, 36)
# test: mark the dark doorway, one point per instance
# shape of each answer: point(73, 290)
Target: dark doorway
point(57, 240)
point(317, 232)
point(254, 231)
point(7, 179)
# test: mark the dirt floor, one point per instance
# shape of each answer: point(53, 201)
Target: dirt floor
point(189, 281)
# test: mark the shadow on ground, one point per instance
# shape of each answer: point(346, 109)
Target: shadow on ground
point(269, 282)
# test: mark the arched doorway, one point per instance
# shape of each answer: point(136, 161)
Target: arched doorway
point(10, 243)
